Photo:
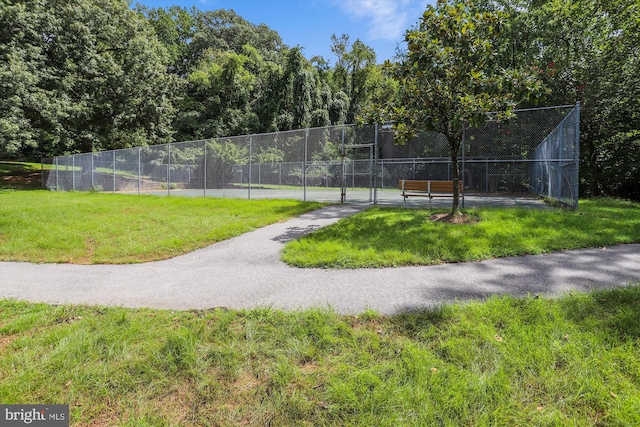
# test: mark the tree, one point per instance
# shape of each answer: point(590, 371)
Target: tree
point(297, 88)
point(355, 64)
point(175, 28)
point(447, 81)
point(224, 30)
point(218, 97)
point(80, 75)
point(618, 161)
point(587, 51)
point(594, 47)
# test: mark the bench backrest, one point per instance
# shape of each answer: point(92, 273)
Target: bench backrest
point(436, 186)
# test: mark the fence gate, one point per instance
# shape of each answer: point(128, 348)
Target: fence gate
point(358, 173)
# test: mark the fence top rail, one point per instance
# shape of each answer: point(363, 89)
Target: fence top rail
point(522, 110)
point(283, 132)
point(411, 160)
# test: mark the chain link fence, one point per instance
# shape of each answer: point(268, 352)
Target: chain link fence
point(555, 171)
point(534, 153)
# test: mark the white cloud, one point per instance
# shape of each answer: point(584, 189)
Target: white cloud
point(388, 19)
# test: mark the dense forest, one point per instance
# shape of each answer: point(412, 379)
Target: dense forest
point(86, 75)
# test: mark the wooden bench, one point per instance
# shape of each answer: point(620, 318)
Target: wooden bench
point(430, 189)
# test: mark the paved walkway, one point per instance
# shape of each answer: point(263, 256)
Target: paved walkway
point(245, 272)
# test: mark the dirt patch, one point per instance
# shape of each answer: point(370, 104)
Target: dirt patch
point(245, 383)
point(453, 219)
point(310, 368)
point(6, 340)
point(178, 404)
point(86, 257)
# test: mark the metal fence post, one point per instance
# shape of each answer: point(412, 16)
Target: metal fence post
point(73, 172)
point(168, 169)
point(375, 166)
point(576, 176)
point(343, 172)
point(560, 155)
point(139, 169)
point(250, 161)
point(92, 154)
point(326, 174)
point(204, 170)
point(304, 165)
point(57, 184)
point(114, 171)
point(353, 173)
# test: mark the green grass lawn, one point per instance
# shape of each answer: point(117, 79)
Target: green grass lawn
point(87, 228)
point(505, 362)
point(388, 237)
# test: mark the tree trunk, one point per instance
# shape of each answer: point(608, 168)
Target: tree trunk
point(454, 145)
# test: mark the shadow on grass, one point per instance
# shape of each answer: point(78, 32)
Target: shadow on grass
point(617, 311)
point(410, 237)
point(612, 314)
point(16, 176)
point(366, 230)
point(411, 324)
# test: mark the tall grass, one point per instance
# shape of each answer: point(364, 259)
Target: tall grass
point(386, 237)
point(86, 228)
point(507, 361)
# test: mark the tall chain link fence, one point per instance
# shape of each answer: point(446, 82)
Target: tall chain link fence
point(555, 172)
point(534, 153)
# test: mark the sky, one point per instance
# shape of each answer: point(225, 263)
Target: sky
point(380, 24)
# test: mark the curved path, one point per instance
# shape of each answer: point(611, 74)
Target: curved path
point(246, 272)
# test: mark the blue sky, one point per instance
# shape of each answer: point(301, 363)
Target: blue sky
point(380, 24)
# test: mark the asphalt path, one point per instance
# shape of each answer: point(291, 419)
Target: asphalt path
point(246, 272)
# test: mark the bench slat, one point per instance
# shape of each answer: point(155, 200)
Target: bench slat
point(442, 187)
point(427, 188)
point(436, 186)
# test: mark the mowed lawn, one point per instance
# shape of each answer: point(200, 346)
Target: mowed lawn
point(389, 237)
point(88, 228)
point(507, 361)
point(85, 228)
point(573, 361)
